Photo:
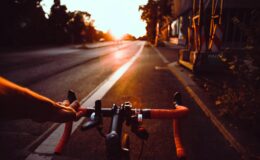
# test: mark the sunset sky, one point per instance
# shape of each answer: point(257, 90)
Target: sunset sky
point(118, 16)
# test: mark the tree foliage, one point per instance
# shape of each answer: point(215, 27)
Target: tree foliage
point(149, 15)
point(152, 12)
point(78, 25)
point(58, 20)
point(23, 22)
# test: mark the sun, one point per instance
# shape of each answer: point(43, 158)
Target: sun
point(118, 16)
point(117, 33)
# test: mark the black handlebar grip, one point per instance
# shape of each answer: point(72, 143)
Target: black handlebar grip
point(177, 98)
point(71, 96)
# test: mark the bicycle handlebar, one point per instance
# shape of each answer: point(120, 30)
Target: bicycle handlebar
point(64, 138)
point(178, 112)
point(175, 113)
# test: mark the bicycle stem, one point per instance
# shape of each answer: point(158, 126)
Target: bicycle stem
point(113, 138)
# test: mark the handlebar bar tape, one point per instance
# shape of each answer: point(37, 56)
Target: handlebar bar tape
point(180, 152)
point(68, 127)
point(64, 139)
point(180, 111)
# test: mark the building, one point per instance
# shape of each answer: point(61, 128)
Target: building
point(239, 19)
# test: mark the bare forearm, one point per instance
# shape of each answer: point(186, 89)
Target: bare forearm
point(19, 102)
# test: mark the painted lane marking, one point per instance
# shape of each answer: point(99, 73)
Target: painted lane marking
point(187, 83)
point(160, 55)
point(45, 150)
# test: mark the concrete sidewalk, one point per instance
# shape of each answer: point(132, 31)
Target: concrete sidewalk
point(174, 46)
point(206, 106)
point(240, 142)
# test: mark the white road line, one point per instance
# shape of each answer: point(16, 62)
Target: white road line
point(188, 83)
point(160, 54)
point(45, 150)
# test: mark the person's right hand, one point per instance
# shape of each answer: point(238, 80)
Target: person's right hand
point(68, 112)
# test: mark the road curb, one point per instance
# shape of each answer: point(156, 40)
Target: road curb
point(196, 94)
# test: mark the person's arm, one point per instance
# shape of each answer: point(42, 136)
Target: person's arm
point(18, 102)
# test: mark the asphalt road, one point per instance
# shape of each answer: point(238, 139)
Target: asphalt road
point(52, 74)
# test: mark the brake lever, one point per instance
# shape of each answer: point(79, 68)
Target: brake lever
point(71, 96)
point(90, 124)
point(137, 128)
point(177, 100)
point(96, 120)
point(68, 127)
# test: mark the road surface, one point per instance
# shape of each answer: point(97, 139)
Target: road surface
point(53, 72)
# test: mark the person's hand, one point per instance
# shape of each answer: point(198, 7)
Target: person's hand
point(17, 102)
point(68, 112)
point(56, 112)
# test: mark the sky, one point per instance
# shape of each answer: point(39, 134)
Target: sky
point(118, 16)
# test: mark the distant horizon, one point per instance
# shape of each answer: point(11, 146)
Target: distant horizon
point(117, 16)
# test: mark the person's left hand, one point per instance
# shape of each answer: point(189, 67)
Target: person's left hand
point(68, 112)
point(17, 102)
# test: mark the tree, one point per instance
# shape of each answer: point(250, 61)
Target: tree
point(129, 37)
point(77, 25)
point(91, 33)
point(81, 27)
point(164, 9)
point(154, 12)
point(149, 15)
point(58, 20)
point(22, 22)
point(108, 36)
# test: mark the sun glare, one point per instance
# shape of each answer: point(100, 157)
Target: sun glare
point(118, 16)
point(117, 33)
